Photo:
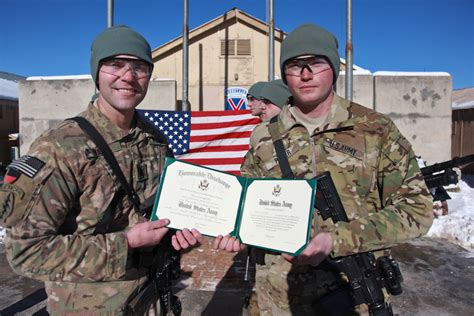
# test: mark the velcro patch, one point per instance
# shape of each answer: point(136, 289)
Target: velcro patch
point(342, 148)
point(11, 176)
point(27, 165)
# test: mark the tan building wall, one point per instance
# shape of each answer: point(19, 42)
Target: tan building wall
point(211, 71)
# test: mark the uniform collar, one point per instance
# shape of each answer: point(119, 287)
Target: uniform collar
point(109, 130)
point(340, 115)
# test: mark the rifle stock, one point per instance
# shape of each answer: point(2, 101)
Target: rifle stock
point(442, 174)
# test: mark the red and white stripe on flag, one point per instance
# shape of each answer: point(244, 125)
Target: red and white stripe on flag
point(215, 139)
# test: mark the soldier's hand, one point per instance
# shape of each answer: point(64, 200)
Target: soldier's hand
point(147, 233)
point(317, 250)
point(227, 243)
point(184, 239)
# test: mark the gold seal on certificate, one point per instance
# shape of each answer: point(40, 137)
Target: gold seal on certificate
point(273, 214)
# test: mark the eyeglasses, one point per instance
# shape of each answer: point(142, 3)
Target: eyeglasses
point(295, 67)
point(119, 67)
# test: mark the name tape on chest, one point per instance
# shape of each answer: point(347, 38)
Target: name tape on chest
point(331, 143)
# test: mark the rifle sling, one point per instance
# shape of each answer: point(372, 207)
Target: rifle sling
point(286, 171)
point(104, 148)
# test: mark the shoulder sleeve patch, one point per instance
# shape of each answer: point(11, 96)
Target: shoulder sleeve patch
point(27, 165)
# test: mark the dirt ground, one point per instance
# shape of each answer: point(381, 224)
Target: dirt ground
point(439, 280)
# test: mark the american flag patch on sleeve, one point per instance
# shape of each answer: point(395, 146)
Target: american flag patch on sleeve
point(27, 165)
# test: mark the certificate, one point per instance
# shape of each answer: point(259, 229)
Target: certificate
point(273, 214)
point(196, 197)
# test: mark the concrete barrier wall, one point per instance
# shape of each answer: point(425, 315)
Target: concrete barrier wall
point(362, 88)
point(44, 102)
point(420, 105)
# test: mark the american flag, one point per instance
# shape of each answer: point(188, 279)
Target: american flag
point(215, 139)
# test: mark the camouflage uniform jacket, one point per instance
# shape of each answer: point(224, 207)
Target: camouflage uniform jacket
point(375, 173)
point(52, 218)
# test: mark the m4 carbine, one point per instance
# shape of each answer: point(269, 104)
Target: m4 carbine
point(164, 263)
point(442, 174)
point(367, 275)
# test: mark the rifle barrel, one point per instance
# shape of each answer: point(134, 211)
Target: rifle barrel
point(455, 162)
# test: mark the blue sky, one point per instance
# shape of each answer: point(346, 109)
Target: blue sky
point(53, 37)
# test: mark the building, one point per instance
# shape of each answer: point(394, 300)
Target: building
point(462, 142)
point(9, 123)
point(228, 51)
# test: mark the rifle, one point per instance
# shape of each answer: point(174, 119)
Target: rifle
point(442, 174)
point(367, 275)
point(165, 267)
point(158, 286)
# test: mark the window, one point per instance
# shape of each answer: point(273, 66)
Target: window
point(228, 49)
point(239, 47)
point(243, 47)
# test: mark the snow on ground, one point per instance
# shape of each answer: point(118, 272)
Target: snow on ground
point(457, 226)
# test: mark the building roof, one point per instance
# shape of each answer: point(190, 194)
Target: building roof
point(230, 17)
point(9, 86)
point(462, 99)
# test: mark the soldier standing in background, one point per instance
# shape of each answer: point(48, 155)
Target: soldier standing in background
point(254, 102)
point(68, 220)
point(274, 96)
point(373, 167)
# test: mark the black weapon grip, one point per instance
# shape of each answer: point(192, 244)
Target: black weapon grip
point(329, 202)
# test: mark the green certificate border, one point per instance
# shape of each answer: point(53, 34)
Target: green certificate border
point(311, 183)
point(244, 182)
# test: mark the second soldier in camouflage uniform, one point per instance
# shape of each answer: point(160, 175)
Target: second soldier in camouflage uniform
point(68, 220)
point(254, 102)
point(373, 167)
point(275, 96)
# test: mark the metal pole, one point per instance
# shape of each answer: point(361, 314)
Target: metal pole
point(185, 105)
point(110, 13)
point(271, 41)
point(349, 51)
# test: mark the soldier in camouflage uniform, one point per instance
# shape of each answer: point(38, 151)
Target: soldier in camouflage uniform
point(274, 96)
point(54, 199)
point(373, 167)
point(254, 102)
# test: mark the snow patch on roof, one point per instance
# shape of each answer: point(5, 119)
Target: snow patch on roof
point(411, 74)
point(356, 72)
point(8, 89)
point(60, 77)
point(356, 69)
point(76, 77)
point(463, 106)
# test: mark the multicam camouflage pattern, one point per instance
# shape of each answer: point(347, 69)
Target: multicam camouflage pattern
point(376, 175)
point(53, 232)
